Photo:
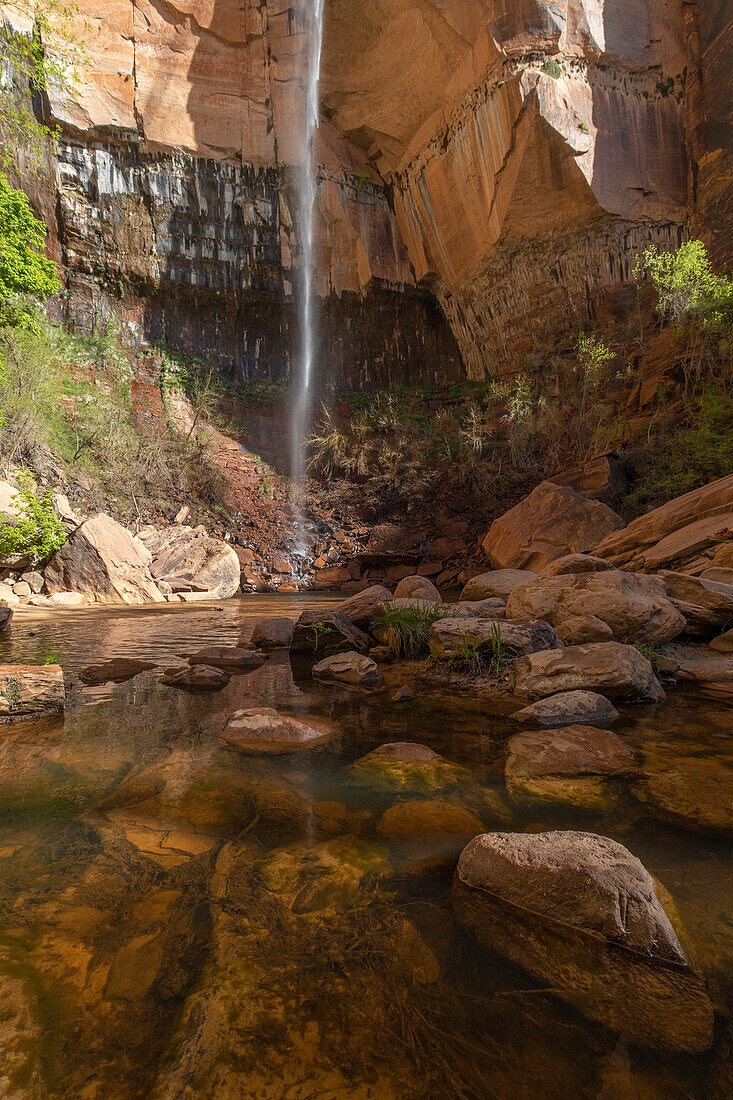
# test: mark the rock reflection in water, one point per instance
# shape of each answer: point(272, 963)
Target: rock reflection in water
point(184, 922)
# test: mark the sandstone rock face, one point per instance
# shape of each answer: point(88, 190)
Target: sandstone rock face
point(448, 637)
point(576, 765)
point(499, 584)
point(618, 671)
point(569, 708)
point(637, 608)
point(359, 608)
point(417, 588)
point(582, 913)
point(550, 523)
point(674, 535)
point(103, 561)
point(191, 557)
point(264, 731)
point(25, 689)
point(354, 669)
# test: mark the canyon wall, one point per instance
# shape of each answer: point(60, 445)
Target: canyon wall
point(507, 159)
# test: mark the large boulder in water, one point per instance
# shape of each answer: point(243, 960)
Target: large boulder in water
point(449, 638)
point(580, 912)
point(187, 557)
point(568, 708)
point(360, 607)
point(103, 561)
point(353, 669)
point(550, 523)
point(618, 671)
point(636, 608)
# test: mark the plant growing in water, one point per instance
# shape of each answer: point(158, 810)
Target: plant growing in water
point(406, 630)
point(470, 659)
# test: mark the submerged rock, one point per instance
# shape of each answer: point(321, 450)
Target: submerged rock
point(406, 766)
point(580, 912)
point(569, 708)
point(231, 659)
point(326, 876)
point(275, 633)
point(616, 670)
point(576, 765)
point(197, 678)
point(324, 633)
point(354, 669)
point(116, 671)
point(429, 817)
point(692, 792)
point(264, 731)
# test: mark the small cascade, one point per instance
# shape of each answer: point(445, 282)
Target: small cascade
point(311, 18)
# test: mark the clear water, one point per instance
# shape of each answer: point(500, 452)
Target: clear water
point(180, 921)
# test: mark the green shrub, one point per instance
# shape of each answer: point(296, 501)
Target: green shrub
point(24, 269)
point(686, 284)
point(551, 68)
point(407, 629)
point(38, 533)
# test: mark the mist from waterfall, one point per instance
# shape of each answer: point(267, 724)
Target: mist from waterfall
point(311, 18)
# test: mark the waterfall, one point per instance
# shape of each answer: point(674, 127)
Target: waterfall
point(311, 18)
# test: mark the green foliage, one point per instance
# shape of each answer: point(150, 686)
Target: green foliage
point(469, 659)
point(551, 68)
point(407, 629)
point(23, 267)
point(11, 691)
point(37, 534)
point(686, 284)
point(48, 54)
point(650, 652)
point(497, 649)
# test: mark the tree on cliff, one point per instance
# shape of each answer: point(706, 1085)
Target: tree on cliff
point(23, 267)
point(39, 49)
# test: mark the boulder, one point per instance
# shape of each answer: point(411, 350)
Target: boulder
point(196, 678)
point(693, 792)
point(722, 644)
point(600, 478)
point(276, 633)
point(430, 818)
point(354, 669)
point(7, 596)
point(22, 590)
point(706, 605)
point(569, 708)
point(27, 689)
point(449, 637)
point(635, 607)
point(477, 609)
point(34, 580)
point(104, 562)
point(579, 629)
point(576, 765)
point(232, 659)
point(676, 533)
point(580, 912)
point(359, 609)
point(723, 556)
point(116, 671)
point(719, 574)
point(264, 731)
point(416, 587)
point(709, 670)
point(324, 633)
point(576, 563)
point(6, 617)
point(498, 584)
point(64, 599)
point(404, 766)
point(618, 671)
point(191, 557)
point(551, 522)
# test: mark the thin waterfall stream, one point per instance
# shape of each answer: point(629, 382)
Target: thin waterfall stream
point(311, 18)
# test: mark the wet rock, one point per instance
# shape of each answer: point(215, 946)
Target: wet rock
point(579, 629)
point(324, 633)
point(692, 792)
point(580, 912)
point(406, 766)
point(231, 659)
point(192, 558)
point(722, 644)
point(576, 563)
point(569, 708)
point(637, 608)
point(135, 968)
point(576, 765)
point(276, 633)
point(382, 654)
point(706, 605)
point(417, 588)
point(618, 671)
point(27, 689)
point(550, 523)
point(403, 694)
point(359, 609)
point(197, 678)
point(498, 584)
point(429, 817)
point(103, 561)
point(708, 669)
point(116, 671)
point(264, 731)
point(449, 637)
point(6, 617)
point(322, 877)
point(354, 669)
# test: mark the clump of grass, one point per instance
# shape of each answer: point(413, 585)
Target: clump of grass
point(651, 653)
point(470, 660)
point(406, 630)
